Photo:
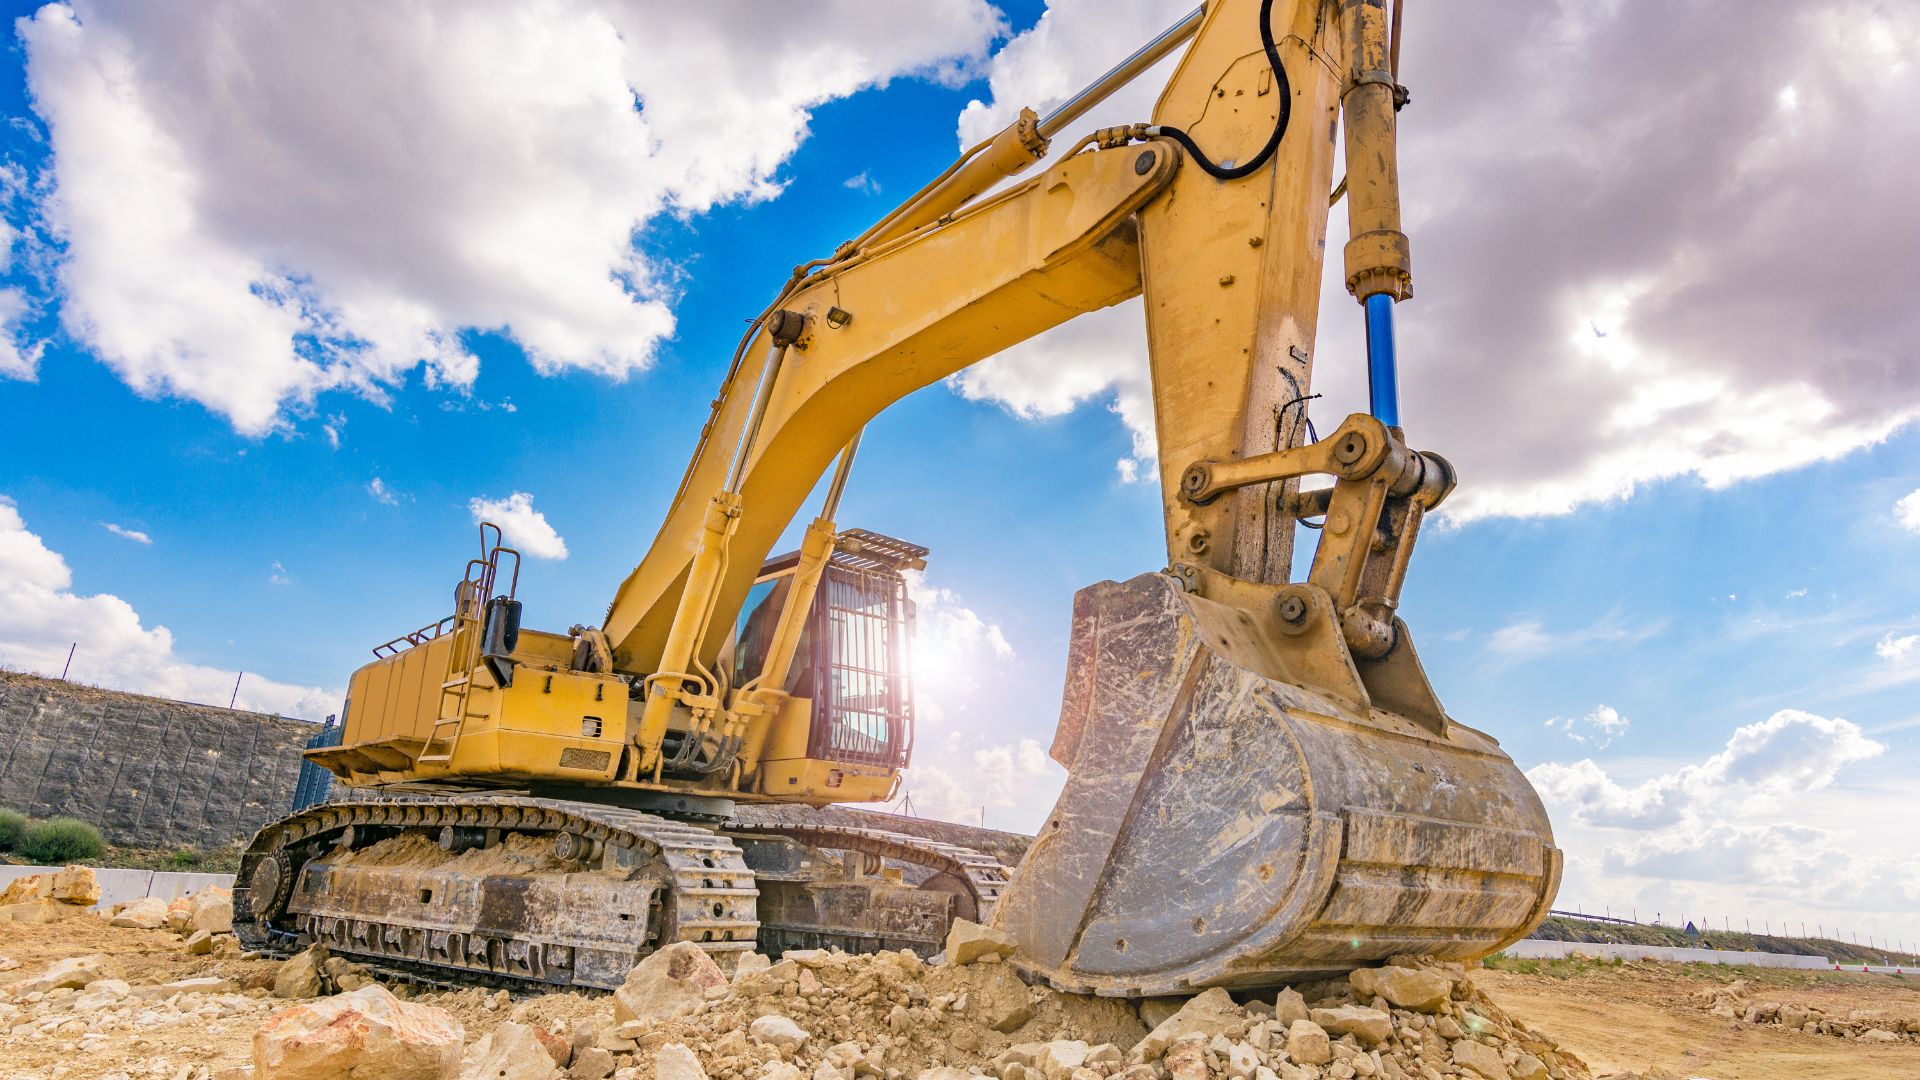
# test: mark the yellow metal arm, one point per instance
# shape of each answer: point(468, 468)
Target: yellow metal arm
point(910, 313)
point(1230, 266)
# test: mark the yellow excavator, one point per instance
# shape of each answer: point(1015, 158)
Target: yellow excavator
point(1262, 784)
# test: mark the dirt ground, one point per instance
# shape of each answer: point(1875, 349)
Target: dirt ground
point(169, 1034)
point(1637, 1017)
point(1641, 1016)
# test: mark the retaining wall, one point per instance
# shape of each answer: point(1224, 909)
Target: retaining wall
point(1553, 950)
point(148, 772)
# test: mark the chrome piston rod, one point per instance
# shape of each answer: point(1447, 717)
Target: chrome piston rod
point(1123, 73)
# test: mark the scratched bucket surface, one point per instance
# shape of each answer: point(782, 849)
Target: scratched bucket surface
point(1221, 828)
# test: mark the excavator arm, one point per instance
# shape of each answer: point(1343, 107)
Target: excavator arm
point(1231, 269)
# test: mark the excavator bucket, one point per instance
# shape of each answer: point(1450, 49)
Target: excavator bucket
point(1224, 824)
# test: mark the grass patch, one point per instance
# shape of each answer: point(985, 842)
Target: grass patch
point(13, 829)
point(58, 841)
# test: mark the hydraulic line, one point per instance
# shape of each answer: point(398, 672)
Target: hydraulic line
point(1246, 168)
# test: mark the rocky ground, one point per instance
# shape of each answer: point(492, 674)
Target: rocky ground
point(167, 996)
point(1648, 1015)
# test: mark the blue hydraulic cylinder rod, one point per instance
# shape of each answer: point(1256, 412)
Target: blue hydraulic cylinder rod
point(1383, 380)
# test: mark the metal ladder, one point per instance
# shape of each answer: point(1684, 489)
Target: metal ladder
point(469, 617)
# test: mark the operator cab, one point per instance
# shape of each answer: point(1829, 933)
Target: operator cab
point(853, 661)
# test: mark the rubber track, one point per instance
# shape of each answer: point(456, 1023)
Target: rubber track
point(685, 848)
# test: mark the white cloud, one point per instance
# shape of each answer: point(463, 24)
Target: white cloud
point(1528, 639)
point(524, 527)
point(1625, 355)
point(45, 617)
point(1907, 511)
point(134, 535)
point(1598, 728)
point(1096, 357)
point(862, 182)
point(1738, 820)
point(380, 491)
point(954, 647)
point(259, 203)
point(19, 359)
point(279, 575)
point(1892, 648)
point(957, 654)
point(332, 427)
point(1007, 784)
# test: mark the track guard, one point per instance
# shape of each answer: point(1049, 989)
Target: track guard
point(1222, 826)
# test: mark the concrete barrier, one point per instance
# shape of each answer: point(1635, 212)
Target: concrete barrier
point(1535, 948)
point(125, 886)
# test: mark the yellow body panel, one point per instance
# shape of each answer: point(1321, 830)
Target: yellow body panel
point(553, 725)
point(806, 780)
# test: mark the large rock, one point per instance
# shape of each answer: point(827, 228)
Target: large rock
point(75, 885)
point(74, 972)
point(968, 942)
point(368, 1033)
point(998, 999)
point(667, 981)
point(512, 1052)
point(1371, 1026)
point(43, 910)
point(1307, 1043)
point(778, 1031)
point(199, 943)
point(592, 1063)
point(178, 912)
point(146, 913)
point(1289, 1006)
point(1057, 1060)
point(211, 909)
point(750, 963)
point(1479, 1059)
point(302, 975)
point(1404, 987)
point(674, 1061)
point(1209, 1014)
point(27, 887)
point(206, 984)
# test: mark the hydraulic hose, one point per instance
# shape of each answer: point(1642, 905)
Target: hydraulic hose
point(1246, 168)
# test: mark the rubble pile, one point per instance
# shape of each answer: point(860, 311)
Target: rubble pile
point(811, 1015)
point(85, 1008)
point(816, 1015)
point(1734, 1002)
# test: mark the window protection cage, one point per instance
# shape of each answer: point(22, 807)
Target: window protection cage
point(863, 703)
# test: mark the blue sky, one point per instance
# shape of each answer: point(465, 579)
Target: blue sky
point(1678, 585)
